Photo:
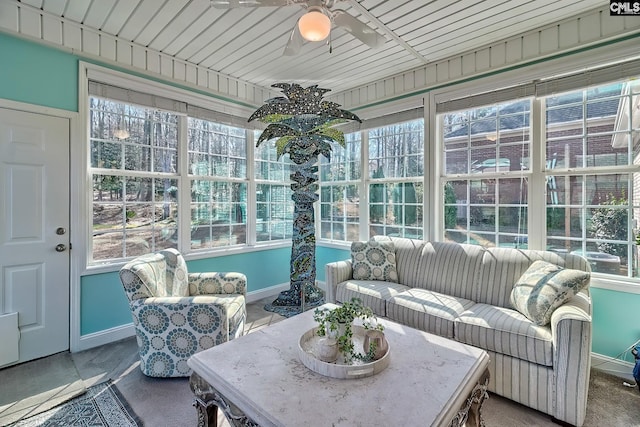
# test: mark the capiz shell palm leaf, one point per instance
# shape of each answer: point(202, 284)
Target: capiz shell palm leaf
point(301, 101)
point(333, 134)
point(276, 130)
point(283, 144)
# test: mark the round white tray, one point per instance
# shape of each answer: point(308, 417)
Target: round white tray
point(308, 344)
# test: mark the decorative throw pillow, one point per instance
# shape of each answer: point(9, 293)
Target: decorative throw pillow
point(374, 260)
point(545, 287)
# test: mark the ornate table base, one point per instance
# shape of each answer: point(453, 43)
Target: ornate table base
point(207, 401)
point(470, 414)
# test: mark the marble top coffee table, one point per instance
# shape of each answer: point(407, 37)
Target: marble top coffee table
point(258, 380)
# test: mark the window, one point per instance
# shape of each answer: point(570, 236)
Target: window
point(395, 186)
point(137, 181)
point(217, 172)
point(393, 155)
point(589, 172)
point(486, 164)
point(340, 191)
point(274, 207)
point(592, 158)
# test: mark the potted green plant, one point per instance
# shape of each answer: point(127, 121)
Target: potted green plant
point(336, 324)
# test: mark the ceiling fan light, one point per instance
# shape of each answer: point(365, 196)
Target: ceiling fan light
point(121, 133)
point(314, 26)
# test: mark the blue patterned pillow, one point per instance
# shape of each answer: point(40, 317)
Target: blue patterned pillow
point(374, 260)
point(545, 287)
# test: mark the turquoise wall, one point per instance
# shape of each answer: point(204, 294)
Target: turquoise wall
point(36, 74)
point(325, 255)
point(104, 304)
point(616, 324)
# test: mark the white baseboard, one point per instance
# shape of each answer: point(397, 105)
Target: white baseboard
point(125, 331)
point(275, 290)
point(105, 337)
point(254, 296)
point(612, 366)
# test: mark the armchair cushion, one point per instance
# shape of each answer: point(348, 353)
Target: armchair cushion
point(217, 283)
point(154, 275)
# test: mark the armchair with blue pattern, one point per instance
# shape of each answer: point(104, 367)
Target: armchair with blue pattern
point(177, 314)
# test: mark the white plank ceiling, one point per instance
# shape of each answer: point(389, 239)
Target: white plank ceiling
point(247, 43)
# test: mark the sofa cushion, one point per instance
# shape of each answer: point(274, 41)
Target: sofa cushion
point(372, 293)
point(374, 260)
point(543, 288)
point(429, 311)
point(501, 268)
point(445, 267)
point(505, 331)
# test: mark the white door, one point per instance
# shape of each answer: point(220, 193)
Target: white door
point(34, 231)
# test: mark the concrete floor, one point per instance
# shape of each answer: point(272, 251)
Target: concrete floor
point(34, 387)
point(167, 402)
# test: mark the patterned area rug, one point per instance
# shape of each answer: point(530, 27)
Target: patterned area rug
point(101, 406)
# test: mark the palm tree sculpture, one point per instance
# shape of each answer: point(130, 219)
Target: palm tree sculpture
point(302, 123)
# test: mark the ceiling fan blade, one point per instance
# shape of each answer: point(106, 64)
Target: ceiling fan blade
point(231, 4)
point(295, 42)
point(359, 30)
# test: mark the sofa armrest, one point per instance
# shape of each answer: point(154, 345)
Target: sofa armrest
point(217, 283)
point(336, 272)
point(571, 330)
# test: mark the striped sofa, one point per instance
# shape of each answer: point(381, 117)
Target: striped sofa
point(462, 292)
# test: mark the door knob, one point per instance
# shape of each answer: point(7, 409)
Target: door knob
point(60, 231)
point(60, 248)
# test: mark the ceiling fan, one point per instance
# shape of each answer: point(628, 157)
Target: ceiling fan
point(315, 24)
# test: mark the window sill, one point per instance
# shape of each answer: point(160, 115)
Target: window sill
point(622, 284)
point(194, 255)
point(346, 246)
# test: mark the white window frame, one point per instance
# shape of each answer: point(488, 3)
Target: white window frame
point(469, 176)
point(410, 110)
point(583, 66)
point(285, 182)
point(82, 199)
point(346, 182)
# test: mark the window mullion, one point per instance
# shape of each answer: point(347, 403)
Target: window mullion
point(184, 185)
point(537, 186)
point(433, 197)
point(252, 190)
point(363, 207)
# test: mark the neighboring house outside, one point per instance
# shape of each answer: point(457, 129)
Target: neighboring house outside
point(502, 152)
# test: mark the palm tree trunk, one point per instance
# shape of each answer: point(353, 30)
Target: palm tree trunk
point(303, 248)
